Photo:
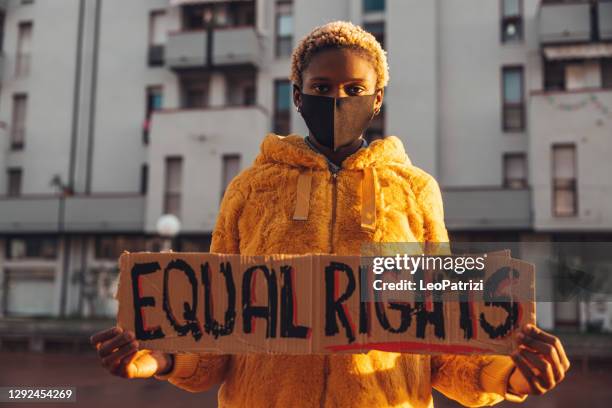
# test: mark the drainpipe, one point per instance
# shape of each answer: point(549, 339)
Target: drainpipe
point(208, 23)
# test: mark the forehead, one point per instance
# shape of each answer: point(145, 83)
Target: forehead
point(339, 65)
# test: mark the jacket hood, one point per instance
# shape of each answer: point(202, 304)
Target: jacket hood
point(293, 151)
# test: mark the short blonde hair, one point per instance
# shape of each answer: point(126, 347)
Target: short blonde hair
point(339, 34)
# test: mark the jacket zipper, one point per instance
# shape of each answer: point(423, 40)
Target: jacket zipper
point(334, 175)
point(333, 211)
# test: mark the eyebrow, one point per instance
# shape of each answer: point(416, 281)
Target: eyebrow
point(328, 79)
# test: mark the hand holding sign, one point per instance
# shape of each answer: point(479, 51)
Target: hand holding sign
point(541, 362)
point(119, 354)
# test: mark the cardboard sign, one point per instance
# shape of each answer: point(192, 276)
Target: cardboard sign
point(314, 304)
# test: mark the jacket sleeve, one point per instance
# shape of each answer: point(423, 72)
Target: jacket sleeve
point(471, 380)
point(197, 372)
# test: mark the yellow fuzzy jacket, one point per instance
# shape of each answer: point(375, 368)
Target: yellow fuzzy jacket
point(289, 201)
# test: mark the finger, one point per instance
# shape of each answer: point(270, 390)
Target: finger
point(530, 376)
point(104, 335)
point(121, 368)
point(545, 372)
point(553, 358)
point(546, 349)
point(118, 341)
point(112, 360)
point(540, 334)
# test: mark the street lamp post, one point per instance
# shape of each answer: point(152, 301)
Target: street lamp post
point(168, 227)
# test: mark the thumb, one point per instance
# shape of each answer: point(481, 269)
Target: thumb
point(143, 365)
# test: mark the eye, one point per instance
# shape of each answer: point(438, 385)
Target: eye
point(354, 90)
point(321, 88)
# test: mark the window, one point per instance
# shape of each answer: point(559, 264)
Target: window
point(2, 22)
point(24, 49)
point(511, 20)
point(222, 14)
point(606, 73)
point(18, 122)
point(513, 116)
point(554, 75)
point(14, 176)
point(284, 28)
point(565, 199)
point(377, 30)
point(154, 102)
point(29, 291)
point(31, 247)
point(158, 32)
point(373, 5)
point(231, 168)
point(195, 90)
point(173, 184)
point(282, 107)
point(240, 89)
point(515, 170)
point(144, 178)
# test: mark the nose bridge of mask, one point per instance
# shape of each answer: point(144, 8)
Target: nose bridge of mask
point(352, 115)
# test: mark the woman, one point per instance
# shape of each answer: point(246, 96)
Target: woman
point(329, 193)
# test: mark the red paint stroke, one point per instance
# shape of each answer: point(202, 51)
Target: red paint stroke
point(409, 346)
point(344, 306)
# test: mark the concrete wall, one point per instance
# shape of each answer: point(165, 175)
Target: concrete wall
point(470, 89)
point(50, 88)
point(195, 135)
point(589, 128)
point(120, 103)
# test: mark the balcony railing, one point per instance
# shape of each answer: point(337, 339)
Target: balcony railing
point(564, 22)
point(231, 46)
point(473, 208)
point(80, 213)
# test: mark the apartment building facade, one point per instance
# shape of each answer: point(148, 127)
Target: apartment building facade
point(114, 113)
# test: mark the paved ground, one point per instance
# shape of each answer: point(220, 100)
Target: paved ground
point(97, 389)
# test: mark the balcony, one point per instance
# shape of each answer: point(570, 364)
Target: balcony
point(564, 22)
point(101, 213)
point(29, 214)
point(201, 138)
point(581, 118)
point(93, 213)
point(232, 46)
point(487, 208)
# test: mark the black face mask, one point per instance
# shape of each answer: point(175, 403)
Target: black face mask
point(336, 122)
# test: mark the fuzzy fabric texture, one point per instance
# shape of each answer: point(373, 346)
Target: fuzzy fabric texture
point(256, 218)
